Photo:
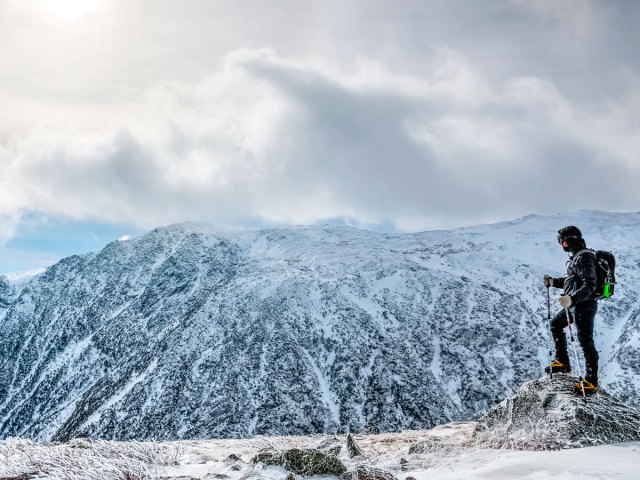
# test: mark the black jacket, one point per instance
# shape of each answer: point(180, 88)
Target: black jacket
point(581, 280)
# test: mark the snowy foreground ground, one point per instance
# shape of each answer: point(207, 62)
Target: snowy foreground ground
point(206, 460)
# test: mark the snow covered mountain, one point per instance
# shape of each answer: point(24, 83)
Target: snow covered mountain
point(191, 331)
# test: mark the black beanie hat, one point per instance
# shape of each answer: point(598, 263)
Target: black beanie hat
point(569, 232)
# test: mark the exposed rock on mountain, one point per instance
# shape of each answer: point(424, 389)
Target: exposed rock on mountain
point(5, 294)
point(546, 414)
point(306, 462)
point(367, 473)
point(352, 447)
point(196, 332)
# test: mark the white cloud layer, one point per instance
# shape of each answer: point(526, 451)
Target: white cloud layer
point(294, 141)
point(308, 136)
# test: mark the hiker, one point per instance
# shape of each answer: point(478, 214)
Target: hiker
point(579, 300)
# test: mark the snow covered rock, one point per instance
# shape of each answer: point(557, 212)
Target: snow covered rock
point(352, 447)
point(306, 462)
point(546, 414)
point(444, 440)
point(367, 473)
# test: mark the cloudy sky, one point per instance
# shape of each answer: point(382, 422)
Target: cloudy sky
point(121, 115)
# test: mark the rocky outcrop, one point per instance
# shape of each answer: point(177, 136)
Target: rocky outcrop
point(367, 473)
point(5, 293)
point(306, 462)
point(352, 447)
point(546, 414)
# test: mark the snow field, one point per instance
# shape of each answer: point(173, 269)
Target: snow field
point(454, 458)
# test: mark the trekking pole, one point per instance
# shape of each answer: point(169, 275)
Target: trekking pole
point(550, 334)
point(575, 353)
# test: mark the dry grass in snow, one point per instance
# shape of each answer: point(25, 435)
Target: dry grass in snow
point(445, 452)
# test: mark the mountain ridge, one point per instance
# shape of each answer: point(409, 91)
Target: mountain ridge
point(186, 334)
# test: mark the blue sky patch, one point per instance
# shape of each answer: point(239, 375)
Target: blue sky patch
point(42, 240)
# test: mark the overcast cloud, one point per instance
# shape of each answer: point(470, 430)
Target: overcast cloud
point(420, 114)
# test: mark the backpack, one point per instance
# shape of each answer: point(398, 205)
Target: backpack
point(605, 272)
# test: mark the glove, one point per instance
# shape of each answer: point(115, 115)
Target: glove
point(565, 301)
point(548, 281)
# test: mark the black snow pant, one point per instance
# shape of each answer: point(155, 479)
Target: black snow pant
point(583, 316)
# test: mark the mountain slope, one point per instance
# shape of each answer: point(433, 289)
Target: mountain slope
point(193, 332)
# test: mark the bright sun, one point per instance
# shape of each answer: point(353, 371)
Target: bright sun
point(69, 9)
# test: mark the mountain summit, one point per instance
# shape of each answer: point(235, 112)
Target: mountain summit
point(191, 331)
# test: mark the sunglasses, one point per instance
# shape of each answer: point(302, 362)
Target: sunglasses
point(562, 239)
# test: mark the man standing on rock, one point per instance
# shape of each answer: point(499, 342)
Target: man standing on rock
point(579, 298)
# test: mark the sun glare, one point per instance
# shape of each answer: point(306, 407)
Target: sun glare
point(69, 9)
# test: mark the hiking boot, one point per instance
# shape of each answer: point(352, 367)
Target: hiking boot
point(589, 388)
point(558, 367)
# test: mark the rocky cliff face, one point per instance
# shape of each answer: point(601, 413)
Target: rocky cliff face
point(191, 332)
point(5, 294)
